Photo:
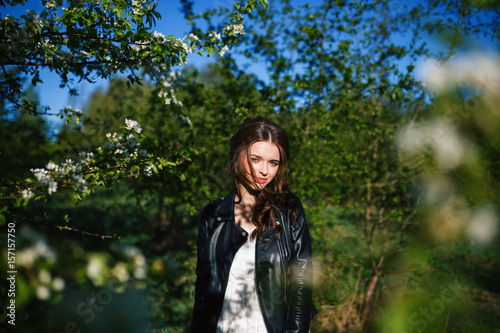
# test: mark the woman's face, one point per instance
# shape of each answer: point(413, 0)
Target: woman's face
point(265, 160)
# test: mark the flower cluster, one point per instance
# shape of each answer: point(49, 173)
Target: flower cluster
point(123, 144)
point(166, 92)
point(39, 250)
point(437, 136)
point(46, 283)
point(70, 114)
point(133, 125)
point(480, 70)
point(148, 170)
point(41, 260)
point(234, 29)
point(120, 154)
point(447, 148)
point(50, 4)
point(35, 252)
point(137, 6)
point(99, 271)
point(67, 172)
point(223, 50)
point(214, 34)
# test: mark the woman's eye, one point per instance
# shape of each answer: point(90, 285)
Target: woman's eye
point(254, 160)
point(274, 163)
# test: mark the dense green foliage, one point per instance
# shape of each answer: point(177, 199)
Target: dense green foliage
point(399, 179)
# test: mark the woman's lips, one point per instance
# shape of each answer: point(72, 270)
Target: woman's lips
point(261, 180)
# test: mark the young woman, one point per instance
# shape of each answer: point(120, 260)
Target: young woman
point(254, 269)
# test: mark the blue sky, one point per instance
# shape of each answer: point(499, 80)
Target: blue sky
point(171, 23)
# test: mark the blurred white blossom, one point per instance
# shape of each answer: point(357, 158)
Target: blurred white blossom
point(58, 284)
point(214, 34)
point(223, 50)
point(96, 270)
point(483, 225)
point(237, 29)
point(42, 292)
point(475, 68)
point(50, 4)
point(148, 170)
point(27, 194)
point(447, 145)
point(44, 276)
point(140, 273)
point(120, 272)
point(27, 256)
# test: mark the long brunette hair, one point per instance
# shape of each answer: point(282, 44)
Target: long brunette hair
point(276, 195)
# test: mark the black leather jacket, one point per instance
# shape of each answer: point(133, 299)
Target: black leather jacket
point(283, 280)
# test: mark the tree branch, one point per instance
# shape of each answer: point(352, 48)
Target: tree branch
point(44, 223)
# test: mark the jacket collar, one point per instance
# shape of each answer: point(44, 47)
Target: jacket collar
point(226, 211)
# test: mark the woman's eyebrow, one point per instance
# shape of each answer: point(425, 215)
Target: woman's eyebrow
point(255, 155)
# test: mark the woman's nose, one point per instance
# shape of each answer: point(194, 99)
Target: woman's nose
point(263, 170)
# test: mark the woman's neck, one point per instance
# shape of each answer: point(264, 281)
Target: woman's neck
point(245, 198)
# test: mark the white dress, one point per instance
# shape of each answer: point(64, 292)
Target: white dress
point(240, 310)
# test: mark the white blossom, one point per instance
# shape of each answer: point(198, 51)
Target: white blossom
point(95, 270)
point(192, 37)
point(223, 50)
point(149, 169)
point(131, 251)
point(120, 272)
point(52, 187)
point(139, 260)
point(132, 140)
point(140, 273)
point(137, 5)
point(133, 125)
point(58, 284)
point(51, 166)
point(44, 276)
point(237, 29)
point(187, 48)
point(27, 194)
point(483, 225)
point(81, 184)
point(448, 147)
point(86, 157)
point(479, 69)
point(42, 292)
point(187, 120)
point(42, 249)
point(214, 34)
point(27, 257)
point(158, 35)
point(40, 174)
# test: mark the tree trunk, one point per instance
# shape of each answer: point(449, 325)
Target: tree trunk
point(366, 309)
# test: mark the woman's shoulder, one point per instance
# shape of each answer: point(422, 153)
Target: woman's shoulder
point(299, 211)
point(295, 198)
point(219, 206)
point(295, 201)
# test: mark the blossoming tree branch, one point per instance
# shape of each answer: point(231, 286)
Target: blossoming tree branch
point(92, 39)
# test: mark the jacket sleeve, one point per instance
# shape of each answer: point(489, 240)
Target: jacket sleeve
point(199, 297)
point(300, 305)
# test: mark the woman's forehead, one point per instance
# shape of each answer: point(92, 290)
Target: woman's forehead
point(265, 149)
